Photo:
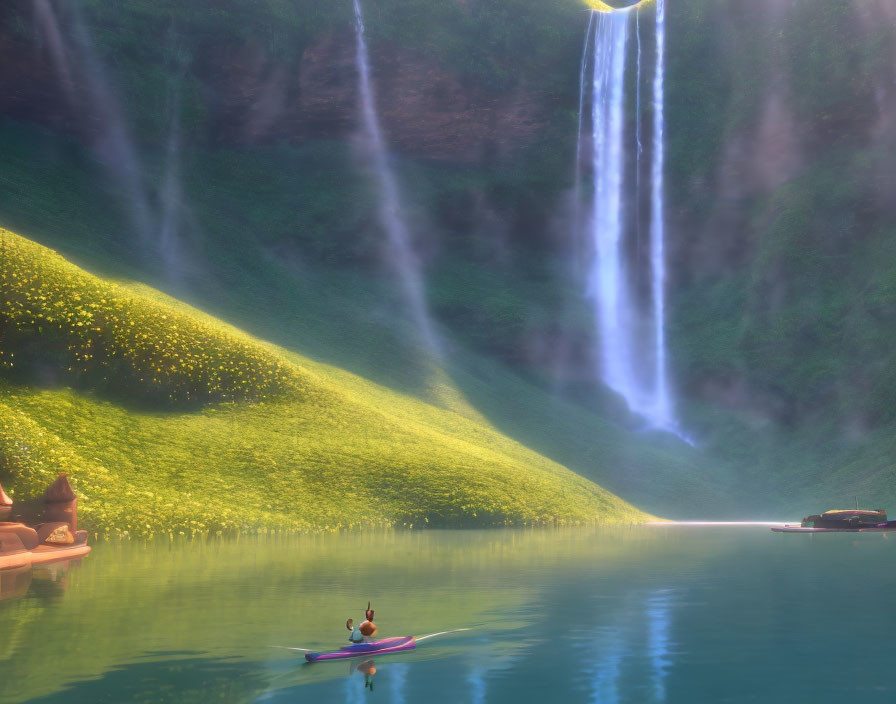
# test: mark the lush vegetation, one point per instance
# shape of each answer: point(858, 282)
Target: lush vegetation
point(331, 452)
point(783, 303)
point(102, 336)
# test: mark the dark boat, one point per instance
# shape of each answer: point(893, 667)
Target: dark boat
point(842, 521)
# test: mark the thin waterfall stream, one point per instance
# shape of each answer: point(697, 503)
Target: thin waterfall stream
point(88, 87)
point(398, 237)
point(577, 188)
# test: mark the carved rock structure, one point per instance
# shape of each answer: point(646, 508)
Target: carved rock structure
point(44, 524)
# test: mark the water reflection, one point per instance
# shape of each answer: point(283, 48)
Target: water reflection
point(647, 616)
point(398, 681)
point(476, 679)
point(45, 581)
point(14, 582)
point(657, 612)
point(631, 638)
point(607, 661)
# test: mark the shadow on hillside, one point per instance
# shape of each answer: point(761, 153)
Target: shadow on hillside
point(39, 374)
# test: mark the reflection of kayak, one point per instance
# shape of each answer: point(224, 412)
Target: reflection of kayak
point(377, 647)
point(796, 528)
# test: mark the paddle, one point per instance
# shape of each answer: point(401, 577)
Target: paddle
point(440, 633)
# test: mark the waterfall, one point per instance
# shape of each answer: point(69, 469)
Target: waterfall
point(171, 193)
point(631, 331)
point(84, 80)
point(607, 280)
point(578, 165)
point(577, 172)
point(115, 145)
point(398, 239)
point(639, 145)
point(661, 412)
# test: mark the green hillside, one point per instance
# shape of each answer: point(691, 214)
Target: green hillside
point(223, 432)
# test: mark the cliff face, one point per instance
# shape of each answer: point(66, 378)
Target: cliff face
point(251, 96)
point(791, 84)
point(426, 109)
point(777, 224)
point(29, 89)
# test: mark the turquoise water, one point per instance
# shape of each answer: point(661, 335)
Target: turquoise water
point(622, 615)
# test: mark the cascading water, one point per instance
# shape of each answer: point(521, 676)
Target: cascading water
point(639, 144)
point(115, 145)
point(171, 193)
point(577, 190)
point(83, 78)
point(661, 411)
point(607, 282)
point(631, 331)
point(399, 245)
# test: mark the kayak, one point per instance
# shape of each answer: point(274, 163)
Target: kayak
point(373, 645)
point(376, 647)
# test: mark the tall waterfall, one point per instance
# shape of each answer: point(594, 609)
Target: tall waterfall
point(608, 284)
point(661, 411)
point(631, 327)
point(398, 239)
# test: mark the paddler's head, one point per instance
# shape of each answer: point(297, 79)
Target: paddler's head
point(369, 612)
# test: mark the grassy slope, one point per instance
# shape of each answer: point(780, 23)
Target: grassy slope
point(328, 450)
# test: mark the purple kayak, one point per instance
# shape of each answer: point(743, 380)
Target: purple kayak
point(376, 647)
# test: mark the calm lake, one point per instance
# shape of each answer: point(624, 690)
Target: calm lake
point(646, 614)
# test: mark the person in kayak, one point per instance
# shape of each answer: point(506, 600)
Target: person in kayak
point(368, 628)
point(356, 636)
point(365, 631)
